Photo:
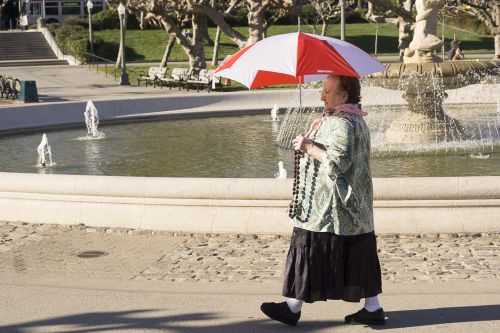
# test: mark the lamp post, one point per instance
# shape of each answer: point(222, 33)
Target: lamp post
point(124, 76)
point(342, 20)
point(90, 5)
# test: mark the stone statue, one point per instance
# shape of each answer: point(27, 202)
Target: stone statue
point(425, 41)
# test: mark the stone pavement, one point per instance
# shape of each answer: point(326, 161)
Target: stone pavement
point(77, 83)
point(144, 255)
point(159, 282)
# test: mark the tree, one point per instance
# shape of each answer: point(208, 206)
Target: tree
point(172, 16)
point(261, 15)
point(399, 15)
point(327, 10)
point(486, 11)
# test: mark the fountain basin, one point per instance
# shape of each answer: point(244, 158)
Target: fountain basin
point(257, 206)
point(416, 205)
point(455, 74)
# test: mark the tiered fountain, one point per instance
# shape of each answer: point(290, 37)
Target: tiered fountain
point(424, 77)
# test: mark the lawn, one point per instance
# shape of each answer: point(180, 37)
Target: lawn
point(149, 45)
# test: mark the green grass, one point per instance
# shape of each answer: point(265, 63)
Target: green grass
point(149, 45)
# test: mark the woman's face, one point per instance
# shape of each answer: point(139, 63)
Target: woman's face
point(333, 93)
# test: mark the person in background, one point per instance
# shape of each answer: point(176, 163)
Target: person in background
point(455, 52)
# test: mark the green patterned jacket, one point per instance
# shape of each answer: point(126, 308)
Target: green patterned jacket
point(342, 201)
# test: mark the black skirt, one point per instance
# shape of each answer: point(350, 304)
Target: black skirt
point(323, 265)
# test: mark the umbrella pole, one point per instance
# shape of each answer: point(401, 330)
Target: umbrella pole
point(300, 97)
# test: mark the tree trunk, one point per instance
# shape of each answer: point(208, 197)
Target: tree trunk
point(195, 61)
point(219, 20)
point(496, 32)
point(256, 22)
point(324, 27)
point(197, 53)
point(215, 57)
point(497, 46)
point(168, 49)
point(360, 4)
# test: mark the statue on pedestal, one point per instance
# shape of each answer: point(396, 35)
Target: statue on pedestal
point(425, 41)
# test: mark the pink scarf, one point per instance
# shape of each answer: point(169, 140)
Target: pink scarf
point(342, 110)
point(346, 110)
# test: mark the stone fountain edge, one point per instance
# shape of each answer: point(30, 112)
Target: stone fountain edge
point(253, 206)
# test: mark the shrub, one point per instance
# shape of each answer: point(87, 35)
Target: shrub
point(77, 21)
point(108, 19)
point(73, 39)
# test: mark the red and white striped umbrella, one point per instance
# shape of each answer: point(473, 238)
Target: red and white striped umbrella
point(296, 58)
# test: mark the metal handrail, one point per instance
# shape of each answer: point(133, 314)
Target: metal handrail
point(91, 62)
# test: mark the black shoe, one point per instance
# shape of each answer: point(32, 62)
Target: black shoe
point(280, 312)
point(365, 317)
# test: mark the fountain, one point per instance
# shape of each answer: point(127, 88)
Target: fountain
point(423, 77)
point(43, 150)
point(92, 122)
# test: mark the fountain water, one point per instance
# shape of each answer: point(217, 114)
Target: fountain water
point(282, 173)
point(274, 113)
point(44, 150)
point(423, 78)
point(297, 119)
point(92, 122)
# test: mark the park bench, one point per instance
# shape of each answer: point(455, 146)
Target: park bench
point(154, 75)
point(177, 78)
point(204, 79)
point(9, 87)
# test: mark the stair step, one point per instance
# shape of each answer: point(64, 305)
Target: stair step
point(24, 63)
point(25, 47)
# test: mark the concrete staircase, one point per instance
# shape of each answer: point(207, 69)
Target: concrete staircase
point(27, 48)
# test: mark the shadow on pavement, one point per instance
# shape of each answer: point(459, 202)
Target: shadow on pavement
point(437, 316)
point(143, 320)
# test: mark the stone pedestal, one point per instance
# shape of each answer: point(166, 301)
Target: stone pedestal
point(418, 128)
point(426, 121)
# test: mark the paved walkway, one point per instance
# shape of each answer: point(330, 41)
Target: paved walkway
point(77, 83)
point(145, 255)
point(159, 282)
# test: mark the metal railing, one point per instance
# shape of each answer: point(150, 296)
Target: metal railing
point(95, 61)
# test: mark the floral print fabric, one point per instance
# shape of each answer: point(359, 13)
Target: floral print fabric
point(342, 200)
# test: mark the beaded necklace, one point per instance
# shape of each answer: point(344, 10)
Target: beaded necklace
point(295, 207)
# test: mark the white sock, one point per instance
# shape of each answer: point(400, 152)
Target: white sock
point(372, 304)
point(294, 305)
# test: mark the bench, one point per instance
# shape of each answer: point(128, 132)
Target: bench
point(9, 87)
point(204, 79)
point(177, 78)
point(154, 75)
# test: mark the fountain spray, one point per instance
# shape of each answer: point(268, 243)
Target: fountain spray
point(282, 173)
point(44, 150)
point(274, 113)
point(92, 121)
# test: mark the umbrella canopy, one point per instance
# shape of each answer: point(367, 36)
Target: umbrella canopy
point(296, 58)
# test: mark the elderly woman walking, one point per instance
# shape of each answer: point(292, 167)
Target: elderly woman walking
point(333, 251)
